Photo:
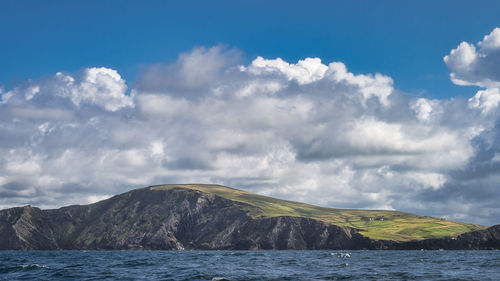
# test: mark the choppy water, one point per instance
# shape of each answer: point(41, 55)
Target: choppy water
point(250, 265)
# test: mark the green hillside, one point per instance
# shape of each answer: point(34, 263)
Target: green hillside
point(376, 224)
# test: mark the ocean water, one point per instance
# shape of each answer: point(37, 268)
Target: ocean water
point(249, 265)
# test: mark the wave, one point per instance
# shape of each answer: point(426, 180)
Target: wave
point(341, 255)
point(34, 265)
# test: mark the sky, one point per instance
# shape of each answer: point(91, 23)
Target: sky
point(347, 104)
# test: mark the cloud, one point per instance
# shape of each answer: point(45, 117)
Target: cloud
point(486, 100)
point(193, 74)
point(311, 70)
point(101, 86)
point(304, 72)
point(304, 131)
point(95, 86)
point(476, 66)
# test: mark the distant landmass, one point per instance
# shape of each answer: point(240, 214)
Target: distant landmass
point(210, 217)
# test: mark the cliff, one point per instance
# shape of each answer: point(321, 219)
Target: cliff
point(187, 217)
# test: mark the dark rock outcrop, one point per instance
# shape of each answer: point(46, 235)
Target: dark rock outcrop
point(487, 239)
point(26, 228)
point(186, 219)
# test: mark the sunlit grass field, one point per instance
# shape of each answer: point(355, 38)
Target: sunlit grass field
point(376, 224)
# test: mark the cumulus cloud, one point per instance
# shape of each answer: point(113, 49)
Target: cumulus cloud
point(476, 66)
point(95, 86)
point(303, 130)
point(101, 86)
point(304, 72)
point(193, 74)
point(486, 100)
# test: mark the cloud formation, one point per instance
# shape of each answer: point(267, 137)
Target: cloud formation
point(306, 131)
point(476, 66)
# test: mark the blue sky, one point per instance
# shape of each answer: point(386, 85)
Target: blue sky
point(405, 40)
point(402, 112)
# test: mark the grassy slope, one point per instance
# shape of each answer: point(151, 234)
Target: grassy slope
point(392, 225)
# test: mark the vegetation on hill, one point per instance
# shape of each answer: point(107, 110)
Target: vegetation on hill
point(375, 224)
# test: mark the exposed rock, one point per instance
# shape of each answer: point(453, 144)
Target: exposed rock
point(178, 219)
point(487, 239)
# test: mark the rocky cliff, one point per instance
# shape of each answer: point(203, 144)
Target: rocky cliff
point(179, 218)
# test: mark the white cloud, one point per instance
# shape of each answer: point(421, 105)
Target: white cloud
point(426, 110)
point(101, 86)
point(377, 85)
point(471, 66)
point(32, 91)
point(486, 100)
point(461, 59)
point(157, 148)
point(304, 72)
point(303, 131)
point(96, 198)
point(311, 70)
point(492, 40)
point(97, 86)
point(5, 96)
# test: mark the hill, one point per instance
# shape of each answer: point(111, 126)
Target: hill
point(375, 224)
point(176, 217)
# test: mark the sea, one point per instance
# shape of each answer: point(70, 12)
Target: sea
point(249, 265)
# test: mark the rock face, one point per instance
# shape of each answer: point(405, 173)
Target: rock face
point(186, 219)
point(488, 239)
point(26, 228)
